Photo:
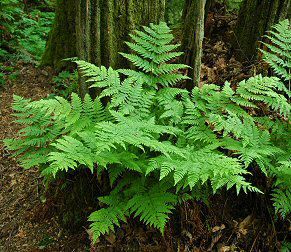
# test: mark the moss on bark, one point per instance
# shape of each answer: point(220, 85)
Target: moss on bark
point(255, 18)
point(62, 39)
point(95, 30)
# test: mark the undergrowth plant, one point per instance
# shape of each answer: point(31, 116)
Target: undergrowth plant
point(278, 54)
point(159, 144)
point(65, 83)
point(9, 10)
point(232, 5)
point(23, 32)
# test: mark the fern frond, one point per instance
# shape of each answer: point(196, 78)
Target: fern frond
point(278, 55)
point(282, 201)
point(104, 220)
point(153, 205)
point(201, 166)
point(263, 89)
point(154, 50)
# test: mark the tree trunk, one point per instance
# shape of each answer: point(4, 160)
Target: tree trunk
point(95, 30)
point(255, 18)
point(62, 39)
point(193, 34)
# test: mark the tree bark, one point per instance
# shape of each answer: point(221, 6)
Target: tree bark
point(62, 39)
point(95, 30)
point(255, 18)
point(193, 34)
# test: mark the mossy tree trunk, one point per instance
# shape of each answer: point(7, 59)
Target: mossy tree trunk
point(193, 34)
point(62, 39)
point(95, 30)
point(255, 18)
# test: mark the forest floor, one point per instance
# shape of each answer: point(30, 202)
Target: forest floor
point(29, 216)
point(27, 223)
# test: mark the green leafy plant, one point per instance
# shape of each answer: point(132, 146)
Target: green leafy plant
point(159, 144)
point(9, 11)
point(232, 5)
point(66, 83)
point(32, 32)
point(7, 72)
point(286, 247)
point(2, 79)
point(278, 54)
point(173, 13)
point(23, 33)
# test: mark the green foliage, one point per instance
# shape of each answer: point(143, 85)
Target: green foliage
point(8, 10)
point(32, 33)
point(232, 5)
point(7, 73)
point(66, 83)
point(48, 120)
point(23, 32)
point(286, 247)
point(2, 76)
point(174, 9)
point(157, 142)
point(2, 80)
point(278, 54)
point(149, 200)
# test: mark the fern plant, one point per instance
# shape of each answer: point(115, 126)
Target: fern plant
point(278, 54)
point(158, 143)
point(23, 34)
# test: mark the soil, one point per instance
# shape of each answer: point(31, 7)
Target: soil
point(27, 224)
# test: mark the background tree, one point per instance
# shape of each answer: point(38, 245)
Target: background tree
point(94, 30)
point(192, 38)
point(255, 18)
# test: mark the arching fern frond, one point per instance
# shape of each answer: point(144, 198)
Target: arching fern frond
point(278, 55)
point(154, 52)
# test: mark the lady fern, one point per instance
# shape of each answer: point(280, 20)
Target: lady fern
point(278, 55)
point(157, 142)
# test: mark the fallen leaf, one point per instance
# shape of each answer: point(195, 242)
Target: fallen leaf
point(218, 228)
point(21, 234)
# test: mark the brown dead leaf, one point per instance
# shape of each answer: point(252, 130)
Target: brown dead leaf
point(224, 249)
point(218, 228)
point(245, 224)
point(21, 234)
point(221, 63)
point(219, 47)
point(111, 238)
point(208, 74)
point(13, 182)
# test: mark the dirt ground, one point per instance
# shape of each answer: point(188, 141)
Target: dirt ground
point(26, 223)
